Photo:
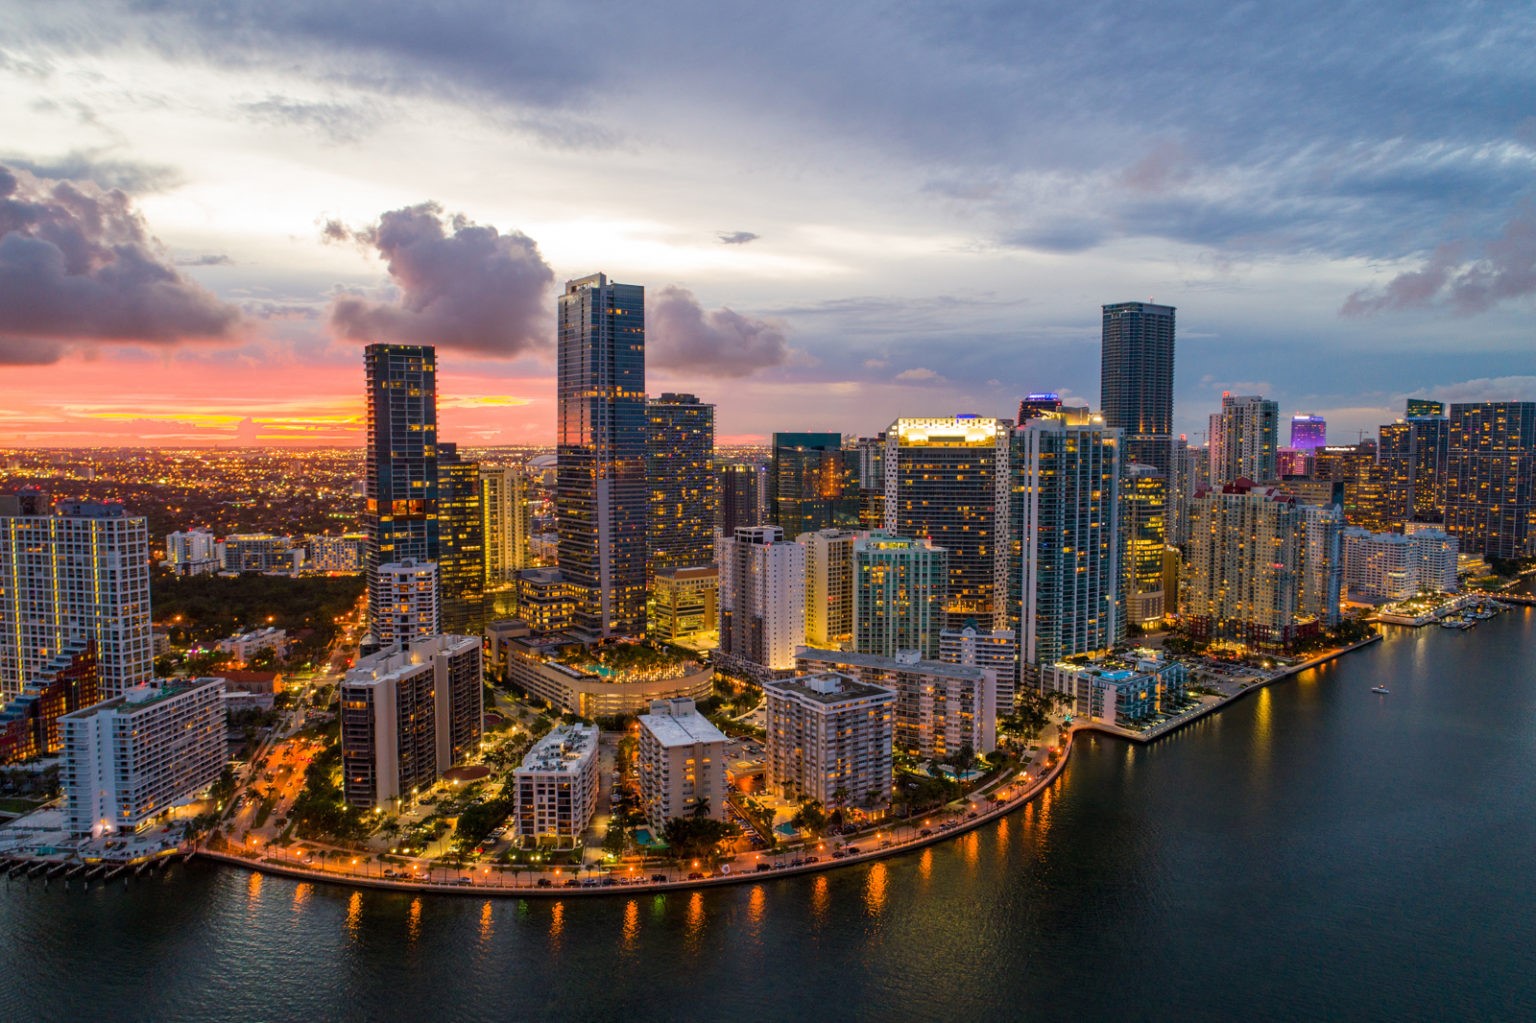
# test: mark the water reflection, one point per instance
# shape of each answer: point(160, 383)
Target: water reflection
point(925, 864)
point(874, 888)
point(487, 924)
point(1001, 835)
point(821, 898)
point(556, 925)
point(970, 848)
point(695, 920)
point(354, 914)
point(413, 919)
point(757, 904)
point(301, 893)
point(631, 926)
point(253, 890)
point(1262, 743)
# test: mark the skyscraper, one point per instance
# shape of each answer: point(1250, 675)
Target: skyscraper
point(1491, 477)
point(1136, 379)
point(742, 491)
point(900, 587)
point(680, 445)
point(408, 606)
point(1143, 527)
point(600, 480)
point(1308, 432)
point(946, 480)
point(1066, 490)
point(70, 575)
point(1038, 403)
point(1424, 408)
point(400, 517)
point(1245, 439)
point(461, 542)
point(812, 483)
point(828, 587)
point(507, 507)
point(762, 600)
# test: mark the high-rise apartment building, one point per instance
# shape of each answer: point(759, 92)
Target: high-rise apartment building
point(681, 764)
point(1308, 432)
point(555, 788)
point(1320, 568)
point(1413, 456)
point(830, 739)
point(29, 724)
point(400, 510)
point(680, 445)
point(870, 452)
point(1491, 478)
point(762, 600)
point(1245, 439)
point(900, 592)
point(260, 553)
point(408, 713)
point(507, 505)
point(1381, 567)
point(941, 708)
point(194, 552)
point(406, 604)
point(828, 587)
point(461, 542)
point(685, 602)
point(812, 483)
point(1037, 404)
point(742, 490)
point(70, 575)
point(1185, 477)
point(1426, 408)
point(1070, 586)
point(1136, 379)
point(600, 490)
point(1143, 528)
point(997, 651)
point(946, 480)
point(130, 759)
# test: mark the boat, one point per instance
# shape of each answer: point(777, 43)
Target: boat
point(1383, 690)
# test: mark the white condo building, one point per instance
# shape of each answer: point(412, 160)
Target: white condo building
point(762, 599)
point(681, 763)
point(830, 739)
point(555, 788)
point(1245, 439)
point(508, 521)
point(129, 759)
point(940, 708)
point(410, 602)
point(998, 651)
point(194, 552)
point(1381, 567)
point(408, 713)
point(69, 574)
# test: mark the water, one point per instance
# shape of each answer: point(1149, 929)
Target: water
point(1312, 852)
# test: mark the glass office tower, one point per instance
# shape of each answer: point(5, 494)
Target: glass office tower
point(1136, 380)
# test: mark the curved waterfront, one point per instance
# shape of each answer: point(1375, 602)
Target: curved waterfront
point(1313, 850)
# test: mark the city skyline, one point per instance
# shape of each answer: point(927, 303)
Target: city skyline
point(891, 257)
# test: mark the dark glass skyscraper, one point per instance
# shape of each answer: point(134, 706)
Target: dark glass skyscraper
point(1491, 477)
point(1136, 380)
point(600, 485)
point(461, 542)
point(680, 446)
point(812, 483)
point(400, 514)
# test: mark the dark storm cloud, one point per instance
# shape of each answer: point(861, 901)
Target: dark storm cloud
point(461, 285)
point(736, 237)
point(22, 352)
point(681, 334)
point(1504, 270)
point(78, 264)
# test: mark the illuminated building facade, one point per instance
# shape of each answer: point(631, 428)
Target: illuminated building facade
point(545, 599)
point(1308, 432)
point(830, 739)
point(407, 609)
point(742, 496)
point(900, 591)
point(1143, 522)
point(461, 542)
point(680, 761)
point(71, 574)
point(812, 483)
point(1380, 567)
point(1491, 478)
point(194, 552)
point(762, 600)
point(680, 444)
point(997, 651)
point(400, 510)
point(947, 481)
point(29, 724)
point(1136, 379)
point(829, 604)
point(555, 788)
point(1413, 455)
point(686, 602)
point(1245, 441)
point(507, 507)
point(600, 489)
point(1070, 586)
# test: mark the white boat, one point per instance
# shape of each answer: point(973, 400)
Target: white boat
point(1383, 690)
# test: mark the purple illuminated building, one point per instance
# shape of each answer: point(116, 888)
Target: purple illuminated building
point(1308, 432)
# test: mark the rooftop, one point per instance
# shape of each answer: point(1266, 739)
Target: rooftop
point(942, 669)
point(565, 749)
point(682, 729)
point(828, 687)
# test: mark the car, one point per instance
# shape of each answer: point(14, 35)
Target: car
point(608, 882)
point(797, 862)
point(590, 882)
point(544, 882)
point(572, 883)
point(852, 850)
point(695, 876)
point(925, 832)
point(764, 866)
point(658, 878)
point(813, 859)
point(465, 880)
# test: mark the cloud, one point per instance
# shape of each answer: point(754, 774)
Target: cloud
point(1505, 270)
point(135, 176)
point(336, 122)
point(214, 259)
point(736, 237)
point(919, 374)
point(680, 334)
point(22, 352)
point(461, 285)
point(78, 264)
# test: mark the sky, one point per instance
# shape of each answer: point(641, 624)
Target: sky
point(841, 214)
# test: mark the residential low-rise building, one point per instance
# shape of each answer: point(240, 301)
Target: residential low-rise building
point(540, 666)
point(191, 552)
point(940, 708)
point(246, 645)
point(681, 763)
point(1119, 690)
point(130, 759)
point(830, 739)
point(555, 788)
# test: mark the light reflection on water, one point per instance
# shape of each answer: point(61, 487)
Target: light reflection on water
point(757, 905)
point(413, 919)
point(695, 920)
point(925, 864)
point(354, 915)
point(487, 922)
point(556, 925)
point(631, 925)
point(874, 888)
point(301, 893)
point(821, 898)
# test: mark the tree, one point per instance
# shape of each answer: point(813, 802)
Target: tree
point(811, 817)
point(694, 837)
